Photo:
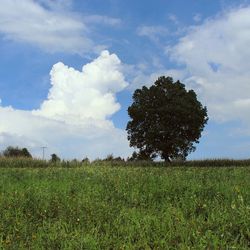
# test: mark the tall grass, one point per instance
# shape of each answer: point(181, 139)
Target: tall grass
point(22, 162)
point(124, 208)
point(18, 162)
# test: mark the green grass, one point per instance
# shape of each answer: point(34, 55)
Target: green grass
point(18, 162)
point(105, 207)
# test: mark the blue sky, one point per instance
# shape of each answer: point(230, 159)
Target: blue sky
point(47, 99)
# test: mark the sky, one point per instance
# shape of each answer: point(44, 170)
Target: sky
point(68, 69)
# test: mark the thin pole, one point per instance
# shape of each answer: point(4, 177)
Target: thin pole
point(43, 148)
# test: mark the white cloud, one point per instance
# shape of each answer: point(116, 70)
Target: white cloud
point(51, 25)
point(53, 31)
point(102, 20)
point(146, 73)
point(215, 56)
point(141, 78)
point(21, 128)
point(58, 4)
point(90, 94)
point(74, 120)
point(197, 17)
point(152, 32)
point(173, 18)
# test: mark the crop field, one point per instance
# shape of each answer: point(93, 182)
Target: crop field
point(104, 207)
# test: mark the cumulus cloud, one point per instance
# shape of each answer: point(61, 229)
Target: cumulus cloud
point(215, 56)
point(88, 94)
point(74, 120)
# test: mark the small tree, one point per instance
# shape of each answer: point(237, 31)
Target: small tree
point(16, 152)
point(109, 157)
point(166, 120)
point(26, 153)
point(55, 158)
point(86, 160)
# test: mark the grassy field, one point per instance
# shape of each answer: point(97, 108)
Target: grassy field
point(125, 208)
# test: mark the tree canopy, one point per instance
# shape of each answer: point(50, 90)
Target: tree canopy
point(16, 152)
point(166, 120)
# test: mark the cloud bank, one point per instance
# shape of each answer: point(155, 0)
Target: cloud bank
point(215, 57)
point(74, 120)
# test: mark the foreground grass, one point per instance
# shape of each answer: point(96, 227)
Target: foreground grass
point(125, 208)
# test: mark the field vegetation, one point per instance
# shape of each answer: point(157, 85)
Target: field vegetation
point(75, 205)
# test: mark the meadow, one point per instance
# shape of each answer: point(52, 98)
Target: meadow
point(117, 207)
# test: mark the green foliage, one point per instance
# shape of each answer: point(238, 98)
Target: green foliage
point(166, 120)
point(111, 158)
point(124, 208)
point(86, 160)
point(55, 158)
point(140, 156)
point(16, 152)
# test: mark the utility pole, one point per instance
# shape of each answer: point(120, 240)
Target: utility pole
point(43, 148)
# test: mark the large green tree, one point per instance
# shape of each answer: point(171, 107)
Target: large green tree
point(166, 120)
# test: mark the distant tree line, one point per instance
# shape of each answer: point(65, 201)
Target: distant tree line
point(15, 152)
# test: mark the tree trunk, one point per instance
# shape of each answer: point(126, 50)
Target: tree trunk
point(166, 158)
